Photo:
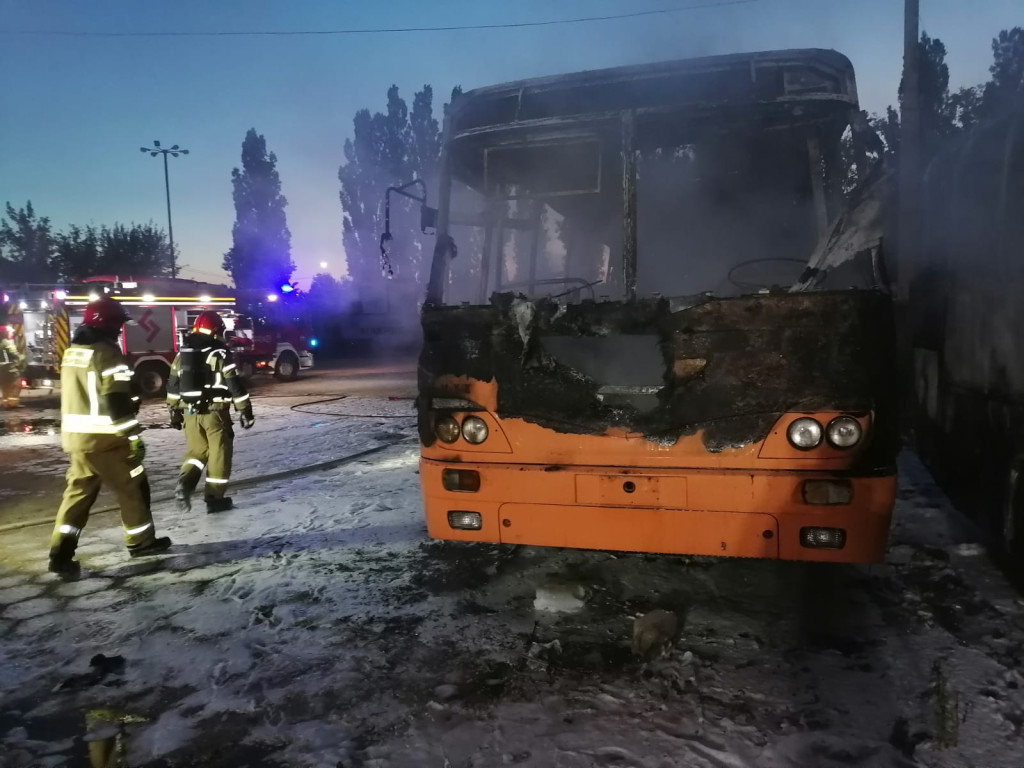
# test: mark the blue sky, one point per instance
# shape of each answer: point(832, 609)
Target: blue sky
point(75, 110)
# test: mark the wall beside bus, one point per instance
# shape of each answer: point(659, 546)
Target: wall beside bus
point(966, 321)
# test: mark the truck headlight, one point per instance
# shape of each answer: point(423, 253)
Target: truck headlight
point(844, 432)
point(804, 434)
point(474, 429)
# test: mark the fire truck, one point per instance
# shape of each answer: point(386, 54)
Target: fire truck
point(29, 311)
point(268, 333)
point(272, 333)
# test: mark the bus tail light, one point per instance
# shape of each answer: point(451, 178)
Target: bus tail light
point(464, 480)
point(827, 492)
point(465, 521)
point(819, 538)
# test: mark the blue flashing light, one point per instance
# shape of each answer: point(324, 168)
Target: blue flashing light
point(313, 342)
point(287, 288)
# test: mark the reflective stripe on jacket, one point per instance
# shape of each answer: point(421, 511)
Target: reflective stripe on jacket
point(10, 358)
point(97, 412)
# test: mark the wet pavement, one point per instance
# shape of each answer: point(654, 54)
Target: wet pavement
point(315, 625)
point(32, 464)
point(27, 423)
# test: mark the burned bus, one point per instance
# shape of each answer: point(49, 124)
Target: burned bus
point(654, 321)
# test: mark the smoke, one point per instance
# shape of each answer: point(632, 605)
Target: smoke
point(726, 214)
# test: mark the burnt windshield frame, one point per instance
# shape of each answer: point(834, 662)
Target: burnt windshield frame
point(504, 160)
point(790, 155)
point(824, 116)
point(465, 164)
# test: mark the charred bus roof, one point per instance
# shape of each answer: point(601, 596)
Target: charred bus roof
point(806, 76)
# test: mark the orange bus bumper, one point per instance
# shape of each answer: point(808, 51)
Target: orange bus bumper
point(730, 513)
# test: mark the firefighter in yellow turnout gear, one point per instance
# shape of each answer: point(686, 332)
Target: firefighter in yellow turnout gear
point(100, 432)
point(10, 369)
point(202, 386)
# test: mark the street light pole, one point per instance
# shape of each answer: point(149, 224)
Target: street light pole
point(174, 151)
point(170, 227)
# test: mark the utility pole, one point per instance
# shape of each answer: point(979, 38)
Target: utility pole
point(909, 210)
point(910, 151)
point(174, 151)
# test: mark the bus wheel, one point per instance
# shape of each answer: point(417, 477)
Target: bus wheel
point(152, 378)
point(287, 367)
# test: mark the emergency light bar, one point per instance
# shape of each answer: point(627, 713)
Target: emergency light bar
point(148, 299)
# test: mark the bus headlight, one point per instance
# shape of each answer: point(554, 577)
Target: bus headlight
point(447, 429)
point(844, 432)
point(474, 429)
point(804, 434)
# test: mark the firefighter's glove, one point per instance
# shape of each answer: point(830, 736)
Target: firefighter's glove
point(177, 418)
point(137, 448)
point(246, 419)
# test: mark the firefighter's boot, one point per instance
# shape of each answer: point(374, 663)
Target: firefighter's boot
point(62, 558)
point(183, 496)
point(187, 482)
point(223, 504)
point(155, 547)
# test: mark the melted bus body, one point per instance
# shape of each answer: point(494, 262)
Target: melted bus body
point(966, 316)
point(652, 323)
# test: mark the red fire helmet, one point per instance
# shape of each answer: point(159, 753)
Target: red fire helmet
point(209, 323)
point(105, 314)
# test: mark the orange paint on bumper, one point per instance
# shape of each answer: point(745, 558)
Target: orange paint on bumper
point(737, 513)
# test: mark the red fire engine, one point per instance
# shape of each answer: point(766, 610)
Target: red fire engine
point(267, 332)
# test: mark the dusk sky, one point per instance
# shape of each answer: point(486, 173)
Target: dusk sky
point(75, 110)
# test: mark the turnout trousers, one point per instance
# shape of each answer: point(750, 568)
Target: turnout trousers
point(88, 472)
point(10, 388)
point(209, 445)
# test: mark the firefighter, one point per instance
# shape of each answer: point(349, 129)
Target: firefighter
point(204, 382)
point(101, 433)
point(10, 369)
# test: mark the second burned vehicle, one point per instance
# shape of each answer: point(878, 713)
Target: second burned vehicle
point(654, 320)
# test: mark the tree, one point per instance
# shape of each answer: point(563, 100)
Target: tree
point(328, 295)
point(942, 114)
point(936, 113)
point(136, 250)
point(128, 251)
point(388, 149)
point(260, 255)
point(1006, 88)
point(77, 253)
point(966, 106)
point(888, 129)
point(28, 245)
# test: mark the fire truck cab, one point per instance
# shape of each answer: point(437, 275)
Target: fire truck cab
point(272, 333)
